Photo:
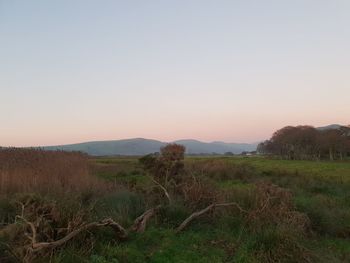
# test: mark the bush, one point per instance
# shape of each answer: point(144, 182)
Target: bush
point(198, 192)
point(274, 205)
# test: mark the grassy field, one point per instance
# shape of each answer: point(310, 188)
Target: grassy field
point(306, 216)
point(321, 168)
point(320, 189)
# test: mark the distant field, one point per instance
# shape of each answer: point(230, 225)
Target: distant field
point(320, 168)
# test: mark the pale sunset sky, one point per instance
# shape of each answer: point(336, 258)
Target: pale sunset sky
point(233, 71)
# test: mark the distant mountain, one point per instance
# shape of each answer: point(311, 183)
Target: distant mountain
point(344, 129)
point(140, 146)
point(331, 127)
point(137, 146)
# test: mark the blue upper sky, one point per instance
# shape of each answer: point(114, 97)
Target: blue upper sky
point(73, 71)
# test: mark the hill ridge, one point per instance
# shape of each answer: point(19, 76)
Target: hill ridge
point(142, 146)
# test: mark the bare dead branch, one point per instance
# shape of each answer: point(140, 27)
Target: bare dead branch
point(23, 206)
point(209, 208)
point(193, 216)
point(32, 227)
point(36, 246)
point(140, 223)
point(161, 187)
point(119, 230)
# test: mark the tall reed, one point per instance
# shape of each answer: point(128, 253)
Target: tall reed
point(40, 171)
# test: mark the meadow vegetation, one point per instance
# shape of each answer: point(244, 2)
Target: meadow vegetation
point(171, 208)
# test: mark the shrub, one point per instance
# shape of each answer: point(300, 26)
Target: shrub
point(198, 192)
point(167, 165)
point(272, 204)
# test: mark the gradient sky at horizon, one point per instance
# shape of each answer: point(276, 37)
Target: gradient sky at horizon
point(233, 71)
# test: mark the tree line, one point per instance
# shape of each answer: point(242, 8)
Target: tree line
point(308, 143)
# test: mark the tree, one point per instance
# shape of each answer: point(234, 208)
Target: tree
point(164, 169)
point(308, 143)
point(335, 142)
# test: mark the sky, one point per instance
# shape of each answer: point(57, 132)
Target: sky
point(233, 71)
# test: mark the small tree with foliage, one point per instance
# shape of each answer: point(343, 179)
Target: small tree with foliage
point(164, 169)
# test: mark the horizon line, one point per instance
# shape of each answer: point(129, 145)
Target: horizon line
point(133, 138)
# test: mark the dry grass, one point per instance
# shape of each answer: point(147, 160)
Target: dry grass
point(53, 189)
point(44, 172)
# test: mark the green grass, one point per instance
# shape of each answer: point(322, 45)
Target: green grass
point(321, 190)
point(163, 245)
point(322, 168)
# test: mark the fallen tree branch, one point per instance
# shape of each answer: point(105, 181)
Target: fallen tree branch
point(209, 208)
point(32, 228)
point(139, 225)
point(36, 246)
